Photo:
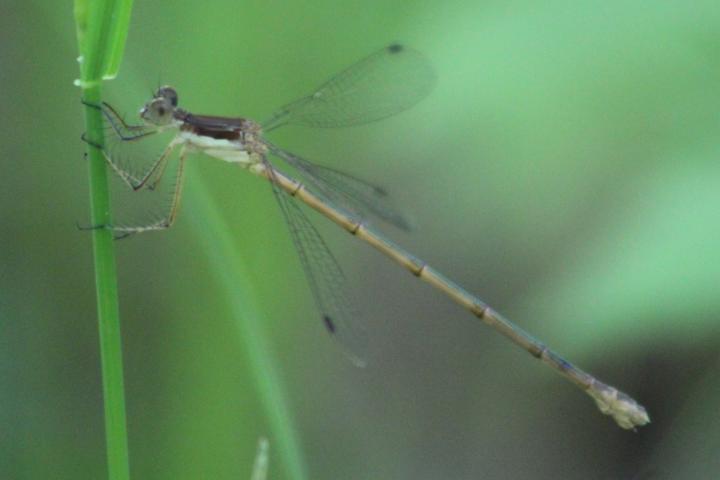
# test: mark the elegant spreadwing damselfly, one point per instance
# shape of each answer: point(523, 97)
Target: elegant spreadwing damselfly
point(381, 85)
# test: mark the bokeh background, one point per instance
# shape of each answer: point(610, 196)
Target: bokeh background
point(566, 168)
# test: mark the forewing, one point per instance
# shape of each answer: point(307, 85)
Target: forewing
point(385, 83)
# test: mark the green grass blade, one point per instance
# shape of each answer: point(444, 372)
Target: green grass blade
point(229, 267)
point(92, 20)
point(117, 36)
point(102, 28)
point(260, 467)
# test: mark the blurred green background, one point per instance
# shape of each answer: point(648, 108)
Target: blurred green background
point(566, 168)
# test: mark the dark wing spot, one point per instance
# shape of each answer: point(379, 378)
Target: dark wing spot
point(329, 324)
point(395, 48)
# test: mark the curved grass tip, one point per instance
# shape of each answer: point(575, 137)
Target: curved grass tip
point(262, 457)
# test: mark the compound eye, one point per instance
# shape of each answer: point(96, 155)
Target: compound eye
point(159, 112)
point(168, 93)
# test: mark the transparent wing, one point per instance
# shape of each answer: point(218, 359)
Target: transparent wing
point(354, 194)
point(385, 83)
point(327, 281)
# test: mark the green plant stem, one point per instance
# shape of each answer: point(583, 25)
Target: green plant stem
point(101, 30)
point(107, 298)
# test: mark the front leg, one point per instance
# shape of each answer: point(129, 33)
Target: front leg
point(122, 129)
point(125, 132)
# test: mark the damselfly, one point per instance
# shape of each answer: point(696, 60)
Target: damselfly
point(382, 84)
